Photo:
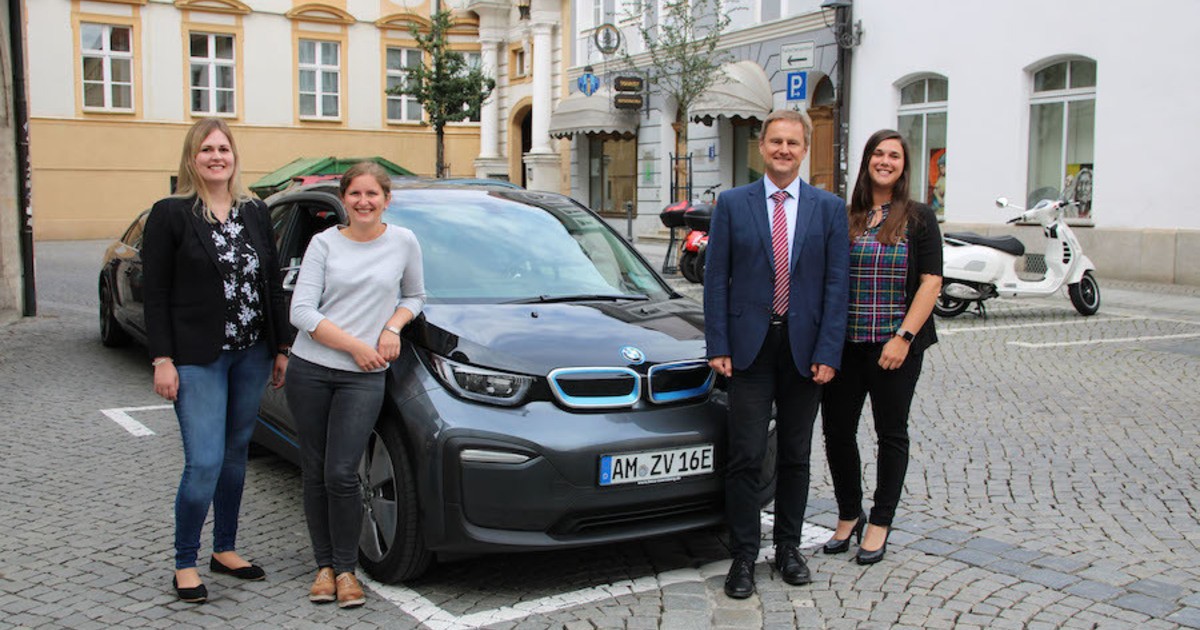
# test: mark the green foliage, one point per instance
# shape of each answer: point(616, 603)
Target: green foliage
point(448, 88)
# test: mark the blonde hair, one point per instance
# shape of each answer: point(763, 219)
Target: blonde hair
point(790, 115)
point(187, 182)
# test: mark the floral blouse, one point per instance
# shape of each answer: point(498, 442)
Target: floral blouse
point(240, 269)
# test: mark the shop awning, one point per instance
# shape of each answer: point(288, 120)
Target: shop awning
point(742, 92)
point(579, 113)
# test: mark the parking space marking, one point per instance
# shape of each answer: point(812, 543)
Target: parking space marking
point(955, 331)
point(436, 618)
point(121, 416)
point(1085, 342)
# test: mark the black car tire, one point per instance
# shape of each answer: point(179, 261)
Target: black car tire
point(111, 333)
point(1085, 295)
point(391, 547)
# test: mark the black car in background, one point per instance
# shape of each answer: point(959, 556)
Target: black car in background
point(553, 393)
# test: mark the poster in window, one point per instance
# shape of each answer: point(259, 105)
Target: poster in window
point(937, 181)
point(1081, 179)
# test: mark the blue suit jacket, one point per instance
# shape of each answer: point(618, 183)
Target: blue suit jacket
point(739, 278)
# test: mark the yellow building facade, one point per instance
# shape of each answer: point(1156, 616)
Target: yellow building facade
point(115, 84)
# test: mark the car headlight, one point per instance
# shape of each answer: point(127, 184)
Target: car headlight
point(483, 385)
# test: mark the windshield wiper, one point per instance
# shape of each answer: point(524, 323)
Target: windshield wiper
point(582, 297)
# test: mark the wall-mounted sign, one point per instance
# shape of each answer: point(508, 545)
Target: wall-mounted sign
point(607, 38)
point(588, 83)
point(628, 84)
point(796, 56)
point(797, 86)
point(625, 100)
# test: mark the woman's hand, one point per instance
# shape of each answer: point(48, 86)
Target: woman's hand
point(367, 358)
point(279, 370)
point(895, 351)
point(166, 380)
point(389, 345)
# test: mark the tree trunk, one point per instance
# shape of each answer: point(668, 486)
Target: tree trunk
point(684, 191)
point(441, 151)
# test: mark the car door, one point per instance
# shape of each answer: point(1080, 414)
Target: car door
point(130, 279)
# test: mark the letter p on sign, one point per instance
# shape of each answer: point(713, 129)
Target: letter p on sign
point(797, 86)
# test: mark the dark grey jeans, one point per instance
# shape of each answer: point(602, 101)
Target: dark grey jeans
point(334, 411)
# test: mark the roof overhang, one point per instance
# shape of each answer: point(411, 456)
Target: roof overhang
point(579, 113)
point(742, 91)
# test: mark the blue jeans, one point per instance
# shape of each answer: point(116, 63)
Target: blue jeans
point(217, 407)
point(334, 411)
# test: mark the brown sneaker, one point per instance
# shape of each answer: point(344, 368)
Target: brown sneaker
point(324, 589)
point(349, 592)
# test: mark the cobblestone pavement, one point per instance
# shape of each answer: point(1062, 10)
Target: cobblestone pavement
point(1052, 484)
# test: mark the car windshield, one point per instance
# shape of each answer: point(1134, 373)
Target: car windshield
point(518, 246)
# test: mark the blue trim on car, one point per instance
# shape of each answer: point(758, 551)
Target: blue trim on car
point(683, 394)
point(277, 432)
point(595, 402)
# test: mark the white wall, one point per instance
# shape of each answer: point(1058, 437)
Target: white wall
point(1146, 95)
point(51, 64)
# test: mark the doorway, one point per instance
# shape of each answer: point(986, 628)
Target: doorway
point(612, 174)
point(822, 158)
point(520, 141)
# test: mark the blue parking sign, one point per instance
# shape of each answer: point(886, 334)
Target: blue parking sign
point(797, 86)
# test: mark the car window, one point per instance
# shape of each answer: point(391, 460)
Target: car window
point(295, 224)
point(502, 246)
point(133, 236)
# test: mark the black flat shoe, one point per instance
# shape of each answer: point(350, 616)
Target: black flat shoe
point(739, 582)
point(252, 572)
point(791, 566)
point(191, 594)
point(871, 557)
point(833, 545)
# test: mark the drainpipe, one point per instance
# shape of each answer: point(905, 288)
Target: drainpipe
point(843, 19)
point(16, 27)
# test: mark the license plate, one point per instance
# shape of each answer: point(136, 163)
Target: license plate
point(655, 466)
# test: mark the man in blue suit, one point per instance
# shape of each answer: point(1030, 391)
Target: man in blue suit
point(775, 299)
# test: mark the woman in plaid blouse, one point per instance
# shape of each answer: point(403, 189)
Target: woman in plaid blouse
point(895, 277)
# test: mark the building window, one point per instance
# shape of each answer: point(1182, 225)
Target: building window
point(320, 79)
point(107, 52)
point(402, 107)
point(474, 61)
point(1062, 122)
point(517, 63)
point(922, 122)
point(212, 73)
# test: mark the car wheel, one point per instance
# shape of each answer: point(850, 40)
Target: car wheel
point(390, 546)
point(111, 333)
point(687, 266)
point(1085, 294)
point(948, 306)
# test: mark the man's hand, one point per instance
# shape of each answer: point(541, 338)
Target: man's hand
point(722, 365)
point(822, 373)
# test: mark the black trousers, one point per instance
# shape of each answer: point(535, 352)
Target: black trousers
point(772, 377)
point(891, 393)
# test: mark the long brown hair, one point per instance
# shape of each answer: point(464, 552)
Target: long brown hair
point(367, 167)
point(188, 180)
point(863, 198)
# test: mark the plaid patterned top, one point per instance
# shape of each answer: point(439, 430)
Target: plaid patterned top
point(877, 297)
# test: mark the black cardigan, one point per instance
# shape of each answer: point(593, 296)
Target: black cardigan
point(184, 288)
point(924, 257)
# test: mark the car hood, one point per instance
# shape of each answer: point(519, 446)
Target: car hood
point(537, 338)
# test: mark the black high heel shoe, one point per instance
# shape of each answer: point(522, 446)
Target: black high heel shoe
point(871, 557)
point(833, 545)
point(190, 594)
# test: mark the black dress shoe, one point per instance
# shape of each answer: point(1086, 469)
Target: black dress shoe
point(252, 572)
point(871, 557)
point(739, 582)
point(833, 545)
point(190, 594)
point(791, 566)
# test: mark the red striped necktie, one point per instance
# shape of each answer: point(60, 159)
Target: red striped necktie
point(779, 248)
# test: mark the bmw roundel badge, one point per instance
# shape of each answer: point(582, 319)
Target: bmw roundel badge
point(633, 355)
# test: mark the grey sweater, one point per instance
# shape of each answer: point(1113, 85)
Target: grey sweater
point(357, 286)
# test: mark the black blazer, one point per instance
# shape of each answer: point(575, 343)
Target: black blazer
point(924, 256)
point(184, 289)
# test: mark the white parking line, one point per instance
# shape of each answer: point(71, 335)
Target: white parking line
point(955, 331)
point(437, 618)
point(1059, 344)
point(121, 416)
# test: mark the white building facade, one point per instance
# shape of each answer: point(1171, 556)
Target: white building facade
point(1027, 99)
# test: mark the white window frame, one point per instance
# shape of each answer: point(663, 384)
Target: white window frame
point(106, 55)
point(922, 109)
point(213, 62)
point(320, 70)
point(403, 99)
point(1065, 96)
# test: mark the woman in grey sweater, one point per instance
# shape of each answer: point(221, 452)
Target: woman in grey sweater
point(359, 285)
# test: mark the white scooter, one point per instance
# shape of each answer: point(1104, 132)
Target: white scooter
point(978, 268)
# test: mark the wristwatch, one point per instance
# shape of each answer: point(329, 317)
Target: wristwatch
point(392, 329)
point(905, 335)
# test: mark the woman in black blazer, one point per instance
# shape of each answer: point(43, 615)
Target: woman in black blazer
point(216, 322)
point(895, 278)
